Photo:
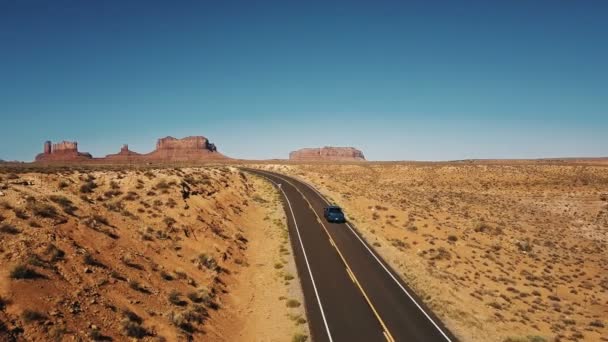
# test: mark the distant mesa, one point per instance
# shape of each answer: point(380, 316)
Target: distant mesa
point(63, 151)
point(125, 154)
point(328, 153)
point(186, 149)
point(168, 149)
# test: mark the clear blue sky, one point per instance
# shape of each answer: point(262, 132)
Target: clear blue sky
point(428, 80)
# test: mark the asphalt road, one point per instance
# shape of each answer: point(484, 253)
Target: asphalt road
point(350, 293)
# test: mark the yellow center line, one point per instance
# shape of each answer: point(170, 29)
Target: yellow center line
point(386, 332)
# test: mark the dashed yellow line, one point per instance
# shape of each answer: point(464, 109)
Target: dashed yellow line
point(386, 332)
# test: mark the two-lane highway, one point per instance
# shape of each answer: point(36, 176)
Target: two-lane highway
point(350, 292)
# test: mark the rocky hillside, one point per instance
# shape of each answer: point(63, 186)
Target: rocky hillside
point(125, 254)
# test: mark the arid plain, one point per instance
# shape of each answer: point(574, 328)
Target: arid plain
point(505, 251)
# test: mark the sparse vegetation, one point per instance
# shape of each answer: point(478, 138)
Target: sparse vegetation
point(8, 229)
point(292, 303)
point(88, 187)
point(32, 316)
point(66, 204)
point(23, 272)
point(299, 338)
point(43, 210)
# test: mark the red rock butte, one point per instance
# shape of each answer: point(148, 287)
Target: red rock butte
point(327, 153)
point(168, 149)
point(63, 151)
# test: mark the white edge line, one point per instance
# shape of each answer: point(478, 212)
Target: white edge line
point(306, 260)
point(384, 267)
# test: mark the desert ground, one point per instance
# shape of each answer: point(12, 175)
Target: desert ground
point(500, 252)
point(151, 254)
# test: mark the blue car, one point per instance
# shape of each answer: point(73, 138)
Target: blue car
point(334, 214)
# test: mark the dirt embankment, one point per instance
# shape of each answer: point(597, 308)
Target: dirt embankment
point(499, 252)
point(157, 255)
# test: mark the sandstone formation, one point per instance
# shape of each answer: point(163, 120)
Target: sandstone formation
point(124, 155)
point(63, 151)
point(168, 149)
point(186, 149)
point(327, 153)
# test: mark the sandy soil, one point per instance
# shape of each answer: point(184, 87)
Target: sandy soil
point(500, 252)
point(114, 255)
point(259, 303)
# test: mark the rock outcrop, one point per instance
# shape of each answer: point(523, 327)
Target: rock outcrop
point(124, 155)
point(327, 153)
point(186, 149)
point(168, 149)
point(63, 151)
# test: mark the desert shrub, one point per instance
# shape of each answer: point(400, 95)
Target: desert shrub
point(65, 203)
point(130, 263)
point(88, 187)
point(135, 285)
point(525, 339)
point(166, 276)
point(91, 261)
point(146, 234)
point(169, 221)
point(201, 295)
point(117, 206)
point(63, 184)
point(183, 320)
point(2, 303)
point(162, 185)
point(292, 303)
point(24, 272)
point(43, 210)
point(32, 316)
point(101, 219)
point(411, 227)
point(112, 193)
point(299, 338)
point(171, 203)
point(175, 298)
point(20, 213)
point(597, 323)
point(131, 316)
point(207, 261)
point(8, 229)
point(524, 245)
point(117, 275)
point(452, 238)
point(481, 227)
point(114, 185)
point(95, 334)
point(35, 260)
point(134, 329)
point(130, 196)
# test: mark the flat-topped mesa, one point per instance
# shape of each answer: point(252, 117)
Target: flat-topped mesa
point(186, 149)
point(62, 151)
point(327, 153)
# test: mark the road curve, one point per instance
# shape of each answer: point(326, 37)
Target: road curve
point(350, 293)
